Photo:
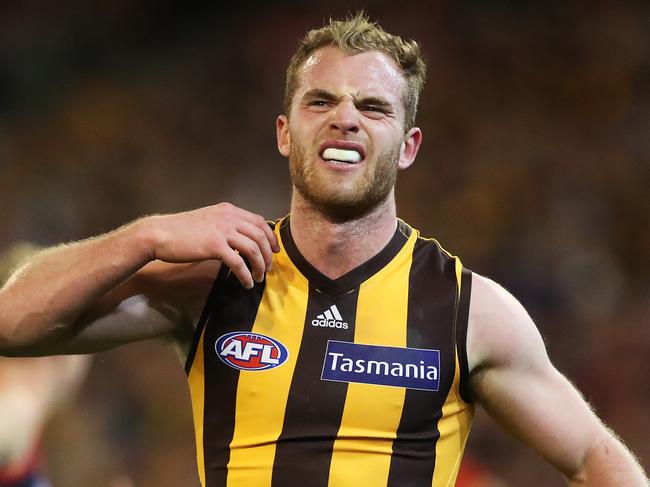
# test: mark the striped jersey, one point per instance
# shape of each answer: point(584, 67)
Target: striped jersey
point(355, 381)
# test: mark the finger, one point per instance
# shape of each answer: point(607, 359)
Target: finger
point(259, 236)
point(237, 265)
point(273, 239)
point(260, 222)
point(251, 251)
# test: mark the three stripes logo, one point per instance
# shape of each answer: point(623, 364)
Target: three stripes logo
point(330, 318)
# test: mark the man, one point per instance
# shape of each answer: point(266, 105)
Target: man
point(336, 347)
point(31, 391)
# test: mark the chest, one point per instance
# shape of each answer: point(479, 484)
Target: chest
point(315, 355)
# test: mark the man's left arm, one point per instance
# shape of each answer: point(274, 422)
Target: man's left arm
point(514, 380)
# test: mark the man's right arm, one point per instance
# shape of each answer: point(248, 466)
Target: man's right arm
point(98, 293)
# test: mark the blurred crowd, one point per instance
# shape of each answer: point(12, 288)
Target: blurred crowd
point(534, 169)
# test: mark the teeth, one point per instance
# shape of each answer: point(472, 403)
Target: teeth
point(343, 155)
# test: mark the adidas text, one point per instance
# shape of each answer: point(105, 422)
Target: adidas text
point(330, 318)
point(330, 323)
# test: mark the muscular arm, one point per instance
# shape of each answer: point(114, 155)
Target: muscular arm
point(39, 303)
point(513, 379)
point(109, 290)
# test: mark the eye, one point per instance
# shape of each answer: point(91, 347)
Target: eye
point(318, 103)
point(372, 109)
point(374, 112)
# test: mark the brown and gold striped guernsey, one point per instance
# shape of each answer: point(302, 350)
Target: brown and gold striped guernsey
point(356, 381)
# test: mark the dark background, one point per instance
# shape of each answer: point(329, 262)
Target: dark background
point(534, 169)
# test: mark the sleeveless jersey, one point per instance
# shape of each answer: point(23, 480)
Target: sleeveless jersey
point(355, 381)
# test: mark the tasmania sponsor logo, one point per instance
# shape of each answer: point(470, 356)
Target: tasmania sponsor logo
point(413, 368)
point(250, 351)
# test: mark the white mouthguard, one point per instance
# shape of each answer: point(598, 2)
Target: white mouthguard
point(343, 155)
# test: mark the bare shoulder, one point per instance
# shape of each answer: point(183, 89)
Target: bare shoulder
point(499, 328)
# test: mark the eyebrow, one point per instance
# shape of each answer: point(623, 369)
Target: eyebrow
point(328, 96)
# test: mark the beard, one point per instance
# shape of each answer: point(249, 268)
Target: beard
point(347, 199)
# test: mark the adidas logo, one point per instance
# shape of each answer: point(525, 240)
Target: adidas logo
point(330, 318)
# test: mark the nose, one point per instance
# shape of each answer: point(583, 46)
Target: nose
point(345, 117)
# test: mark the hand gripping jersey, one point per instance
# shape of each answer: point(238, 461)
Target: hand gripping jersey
point(355, 381)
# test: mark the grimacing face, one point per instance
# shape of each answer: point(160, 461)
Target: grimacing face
point(344, 136)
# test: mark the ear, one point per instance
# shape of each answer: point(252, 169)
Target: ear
point(410, 147)
point(282, 133)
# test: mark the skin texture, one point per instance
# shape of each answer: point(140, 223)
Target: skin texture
point(149, 278)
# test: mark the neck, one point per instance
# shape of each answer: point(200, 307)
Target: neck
point(336, 247)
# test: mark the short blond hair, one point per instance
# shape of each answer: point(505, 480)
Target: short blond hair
point(357, 34)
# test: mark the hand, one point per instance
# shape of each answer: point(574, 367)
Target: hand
point(223, 232)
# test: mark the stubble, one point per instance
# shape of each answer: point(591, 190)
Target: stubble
point(347, 200)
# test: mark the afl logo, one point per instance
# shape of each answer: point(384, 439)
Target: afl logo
point(250, 351)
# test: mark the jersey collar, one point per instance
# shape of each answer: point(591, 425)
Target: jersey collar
point(356, 276)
